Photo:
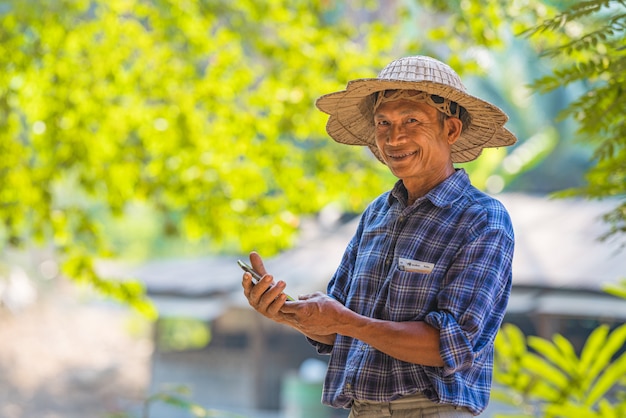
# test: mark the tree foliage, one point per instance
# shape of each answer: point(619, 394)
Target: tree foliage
point(462, 28)
point(201, 110)
point(586, 45)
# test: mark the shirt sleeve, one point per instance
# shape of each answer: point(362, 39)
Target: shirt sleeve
point(472, 303)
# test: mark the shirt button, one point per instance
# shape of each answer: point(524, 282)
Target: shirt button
point(363, 348)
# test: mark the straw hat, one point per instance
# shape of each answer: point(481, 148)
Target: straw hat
point(351, 110)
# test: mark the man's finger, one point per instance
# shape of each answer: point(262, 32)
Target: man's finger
point(246, 282)
point(257, 263)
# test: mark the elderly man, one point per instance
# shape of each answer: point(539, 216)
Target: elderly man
point(411, 314)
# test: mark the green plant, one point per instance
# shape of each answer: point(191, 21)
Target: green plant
point(547, 378)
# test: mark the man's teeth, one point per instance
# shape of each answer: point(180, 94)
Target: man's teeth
point(402, 155)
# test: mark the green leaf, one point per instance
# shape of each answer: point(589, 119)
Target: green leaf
point(609, 378)
point(615, 342)
point(552, 353)
point(550, 375)
point(591, 351)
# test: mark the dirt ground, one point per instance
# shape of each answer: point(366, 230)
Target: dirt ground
point(72, 356)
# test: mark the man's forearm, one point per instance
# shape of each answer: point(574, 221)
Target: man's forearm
point(321, 318)
point(412, 341)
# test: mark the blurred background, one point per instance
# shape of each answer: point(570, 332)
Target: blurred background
point(148, 144)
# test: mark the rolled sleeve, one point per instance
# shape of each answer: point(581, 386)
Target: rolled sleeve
point(472, 304)
point(456, 349)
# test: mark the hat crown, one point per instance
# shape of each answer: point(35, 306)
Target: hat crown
point(422, 69)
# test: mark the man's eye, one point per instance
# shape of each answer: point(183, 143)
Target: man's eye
point(412, 120)
point(382, 123)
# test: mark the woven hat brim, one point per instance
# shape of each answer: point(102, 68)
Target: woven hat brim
point(351, 118)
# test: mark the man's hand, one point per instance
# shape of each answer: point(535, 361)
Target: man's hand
point(314, 314)
point(266, 297)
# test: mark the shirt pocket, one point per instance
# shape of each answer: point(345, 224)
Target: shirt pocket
point(411, 295)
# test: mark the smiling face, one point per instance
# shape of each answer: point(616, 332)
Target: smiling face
point(415, 144)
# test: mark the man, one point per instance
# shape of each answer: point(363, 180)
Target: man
point(411, 314)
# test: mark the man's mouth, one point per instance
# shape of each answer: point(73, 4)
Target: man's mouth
point(400, 156)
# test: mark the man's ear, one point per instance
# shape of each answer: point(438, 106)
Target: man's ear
point(453, 127)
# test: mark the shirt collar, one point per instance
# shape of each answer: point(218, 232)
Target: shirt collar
point(442, 195)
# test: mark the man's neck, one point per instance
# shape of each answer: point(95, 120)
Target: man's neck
point(420, 186)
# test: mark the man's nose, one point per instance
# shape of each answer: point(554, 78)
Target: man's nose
point(397, 134)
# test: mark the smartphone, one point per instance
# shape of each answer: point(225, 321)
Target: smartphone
point(255, 276)
point(248, 268)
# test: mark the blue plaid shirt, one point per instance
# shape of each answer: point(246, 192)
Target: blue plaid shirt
point(468, 237)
